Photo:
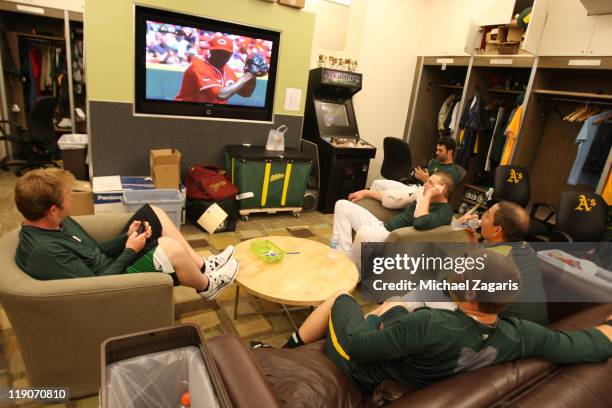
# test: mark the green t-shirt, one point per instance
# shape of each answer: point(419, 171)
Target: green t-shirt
point(69, 253)
point(428, 345)
point(450, 169)
point(531, 303)
point(439, 214)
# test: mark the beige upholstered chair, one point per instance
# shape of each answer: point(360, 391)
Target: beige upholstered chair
point(61, 324)
point(410, 234)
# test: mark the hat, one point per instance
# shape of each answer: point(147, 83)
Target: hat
point(222, 43)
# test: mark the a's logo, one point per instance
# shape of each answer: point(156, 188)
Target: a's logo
point(585, 204)
point(216, 186)
point(275, 177)
point(515, 176)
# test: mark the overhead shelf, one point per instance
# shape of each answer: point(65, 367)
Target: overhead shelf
point(585, 95)
point(506, 91)
point(451, 86)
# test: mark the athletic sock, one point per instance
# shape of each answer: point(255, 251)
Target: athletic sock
point(294, 340)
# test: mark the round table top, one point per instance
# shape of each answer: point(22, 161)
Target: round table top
point(303, 279)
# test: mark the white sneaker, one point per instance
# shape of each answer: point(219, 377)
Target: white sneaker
point(220, 278)
point(214, 262)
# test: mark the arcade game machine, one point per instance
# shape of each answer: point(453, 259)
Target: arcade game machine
point(330, 123)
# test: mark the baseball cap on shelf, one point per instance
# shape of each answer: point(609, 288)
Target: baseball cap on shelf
point(222, 43)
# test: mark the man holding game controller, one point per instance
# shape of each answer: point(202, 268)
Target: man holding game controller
point(211, 80)
point(54, 246)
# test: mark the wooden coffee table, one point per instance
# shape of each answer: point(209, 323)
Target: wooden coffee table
point(305, 277)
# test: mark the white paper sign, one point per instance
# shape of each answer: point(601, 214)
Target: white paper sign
point(500, 61)
point(445, 61)
point(293, 99)
point(585, 63)
point(212, 218)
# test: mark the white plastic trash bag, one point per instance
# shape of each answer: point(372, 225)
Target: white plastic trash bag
point(73, 141)
point(276, 139)
point(158, 380)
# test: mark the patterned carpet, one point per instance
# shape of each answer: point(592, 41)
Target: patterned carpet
point(271, 328)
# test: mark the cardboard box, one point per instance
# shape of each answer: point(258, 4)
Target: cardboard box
point(165, 168)
point(509, 48)
point(514, 34)
point(108, 192)
point(293, 3)
point(82, 199)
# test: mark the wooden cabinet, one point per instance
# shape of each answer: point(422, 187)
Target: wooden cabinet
point(601, 41)
point(568, 30)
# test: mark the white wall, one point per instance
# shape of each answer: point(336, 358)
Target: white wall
point(392, 33)
point(73, 5)
point(338, 29)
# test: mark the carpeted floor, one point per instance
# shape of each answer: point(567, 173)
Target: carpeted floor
point(271, 328)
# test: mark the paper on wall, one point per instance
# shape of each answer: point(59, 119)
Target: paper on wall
point(293, 98)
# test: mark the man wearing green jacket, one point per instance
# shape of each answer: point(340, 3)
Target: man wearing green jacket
point(428, 345)
point(54, 246)
point(429, 211)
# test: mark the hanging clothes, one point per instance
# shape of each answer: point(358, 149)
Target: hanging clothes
point(443, 112)
point(454, 120)
point(607, 191)
point(586, 137)
point(598, 155)
point(498, 124)
point(469, 125)
point(512, 132)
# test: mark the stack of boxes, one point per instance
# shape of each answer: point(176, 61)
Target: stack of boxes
point(504, 39)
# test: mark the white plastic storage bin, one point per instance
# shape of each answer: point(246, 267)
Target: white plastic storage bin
point(171, 201)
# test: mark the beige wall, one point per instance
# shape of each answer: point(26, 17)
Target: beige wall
point(338, 29)
point(73, 5)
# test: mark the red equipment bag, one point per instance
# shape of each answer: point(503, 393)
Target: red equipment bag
point(208, 183)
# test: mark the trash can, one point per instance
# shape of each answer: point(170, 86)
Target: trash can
point(275, 179)
point(154, 369)
point(74, 154)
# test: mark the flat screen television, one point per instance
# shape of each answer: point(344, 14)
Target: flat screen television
point(194, 66)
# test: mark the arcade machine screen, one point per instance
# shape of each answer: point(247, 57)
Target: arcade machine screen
point(333, 114)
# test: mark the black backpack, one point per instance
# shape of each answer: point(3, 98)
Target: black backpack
point(195, 209)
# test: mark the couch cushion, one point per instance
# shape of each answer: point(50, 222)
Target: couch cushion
point(486, 386)
point(305, 377)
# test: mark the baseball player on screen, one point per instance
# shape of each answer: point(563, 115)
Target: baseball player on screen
point(210, 80)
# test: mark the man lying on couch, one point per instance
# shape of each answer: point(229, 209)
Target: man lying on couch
point(428, 345)
point(430, 211)
point(54, 246)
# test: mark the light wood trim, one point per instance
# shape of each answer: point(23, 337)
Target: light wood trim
point(517, 61)
point(416, 83)
point(457, 61)
point(303, 279)
point(562, 62)
point(572, 94)
point(271, 210)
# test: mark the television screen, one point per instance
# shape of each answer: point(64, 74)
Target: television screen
point(193, 66)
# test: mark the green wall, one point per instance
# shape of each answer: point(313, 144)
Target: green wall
point(109, 33)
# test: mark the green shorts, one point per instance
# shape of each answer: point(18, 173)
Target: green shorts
point(154, 260)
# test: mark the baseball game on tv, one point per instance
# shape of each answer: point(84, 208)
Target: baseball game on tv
point(193, 66)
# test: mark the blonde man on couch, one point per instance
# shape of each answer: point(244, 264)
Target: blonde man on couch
point(428, 212)
point(54, 246)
